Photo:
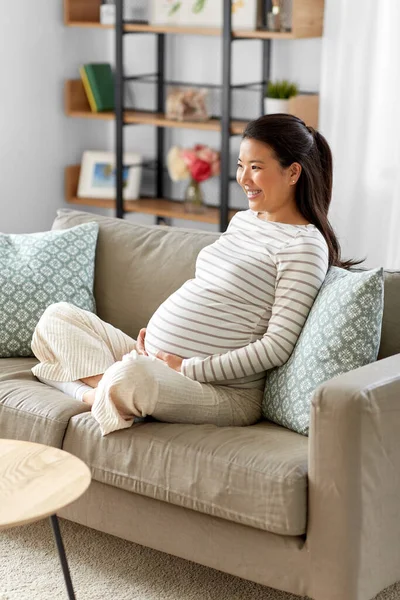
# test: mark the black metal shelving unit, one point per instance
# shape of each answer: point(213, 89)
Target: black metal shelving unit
point(226, 105)
point(307, 23)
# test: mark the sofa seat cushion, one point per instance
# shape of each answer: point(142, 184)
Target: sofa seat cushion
point(255, 475)
point(30, 410)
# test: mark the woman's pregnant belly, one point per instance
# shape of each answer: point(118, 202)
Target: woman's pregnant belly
point(196, 321)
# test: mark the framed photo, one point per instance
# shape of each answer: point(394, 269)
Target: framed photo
point(204, 13)
point(97, 176)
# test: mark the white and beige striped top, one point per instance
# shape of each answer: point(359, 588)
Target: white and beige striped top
point(244, 310)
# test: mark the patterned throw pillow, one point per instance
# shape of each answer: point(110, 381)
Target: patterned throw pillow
point(38, 269)
point(342, 332)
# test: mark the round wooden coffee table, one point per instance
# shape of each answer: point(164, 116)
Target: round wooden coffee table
point(35, 482)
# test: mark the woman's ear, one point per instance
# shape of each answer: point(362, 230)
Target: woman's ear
point(294, 173)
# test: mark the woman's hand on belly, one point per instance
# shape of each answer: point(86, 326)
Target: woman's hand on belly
point(173, 361)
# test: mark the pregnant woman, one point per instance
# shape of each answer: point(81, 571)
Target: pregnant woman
point(204, 354)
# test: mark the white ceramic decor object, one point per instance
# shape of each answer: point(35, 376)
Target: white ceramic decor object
point(107, 14)
point(275, 105)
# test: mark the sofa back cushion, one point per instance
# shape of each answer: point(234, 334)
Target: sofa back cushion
point(341, 333)
point(138, 267)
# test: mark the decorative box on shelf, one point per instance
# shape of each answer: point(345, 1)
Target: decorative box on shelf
point(187, 104)
point(203, 13)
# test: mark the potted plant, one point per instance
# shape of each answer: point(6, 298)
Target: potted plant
point(277, 96)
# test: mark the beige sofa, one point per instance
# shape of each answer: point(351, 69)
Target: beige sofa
point(315, 516)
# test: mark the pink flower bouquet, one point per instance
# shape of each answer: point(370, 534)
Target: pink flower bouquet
point(200, 163)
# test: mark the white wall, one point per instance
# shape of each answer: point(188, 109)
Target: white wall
point(36, 139)
point(37, 53)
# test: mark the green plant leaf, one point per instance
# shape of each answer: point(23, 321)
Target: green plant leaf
point(198, 6)
point(174, 8)
point(281, 89)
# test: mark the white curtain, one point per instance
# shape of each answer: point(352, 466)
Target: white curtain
point(360, 117)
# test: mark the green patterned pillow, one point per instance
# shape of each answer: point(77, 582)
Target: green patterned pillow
point(342, 332)
point(38, 269)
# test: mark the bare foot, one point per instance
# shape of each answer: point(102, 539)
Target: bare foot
point(88, 397)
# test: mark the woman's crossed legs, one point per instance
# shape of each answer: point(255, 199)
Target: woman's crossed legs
point(73, 344)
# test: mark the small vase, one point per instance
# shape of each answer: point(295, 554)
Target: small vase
point(286, 15)
point(275, 105)
point(194, 201)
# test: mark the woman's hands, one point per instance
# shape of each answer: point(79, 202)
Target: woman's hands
point(140, 342)
point(173, 361)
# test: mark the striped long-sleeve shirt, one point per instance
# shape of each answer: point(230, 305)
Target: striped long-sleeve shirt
point(244, 310)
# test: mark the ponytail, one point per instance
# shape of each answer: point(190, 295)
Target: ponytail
point(325, 174)
point(292, 141)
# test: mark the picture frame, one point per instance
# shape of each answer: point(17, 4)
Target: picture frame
point(204, 13)
point(97, 175)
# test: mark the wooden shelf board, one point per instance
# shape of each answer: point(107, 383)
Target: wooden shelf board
point(182, 30)
point(160, 120)
point(77, 105)
point(237, 127)
point(157, 119)
point(88, 24)
point(261, 34)
point(87, 114)
point(258, 34)
point(153, 206)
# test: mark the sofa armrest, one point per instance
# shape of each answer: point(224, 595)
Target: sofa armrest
point(353, 532)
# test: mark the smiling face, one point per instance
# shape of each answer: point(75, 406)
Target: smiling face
point(269, 188)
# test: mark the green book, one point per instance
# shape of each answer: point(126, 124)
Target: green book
point(101, 81)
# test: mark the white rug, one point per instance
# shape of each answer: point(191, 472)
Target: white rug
point(103, 566)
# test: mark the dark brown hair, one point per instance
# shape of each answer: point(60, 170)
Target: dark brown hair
point(292, 141)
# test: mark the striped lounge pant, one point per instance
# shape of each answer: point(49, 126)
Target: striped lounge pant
point(72, 343)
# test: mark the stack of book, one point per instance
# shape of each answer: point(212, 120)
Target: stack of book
point(98, 81)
